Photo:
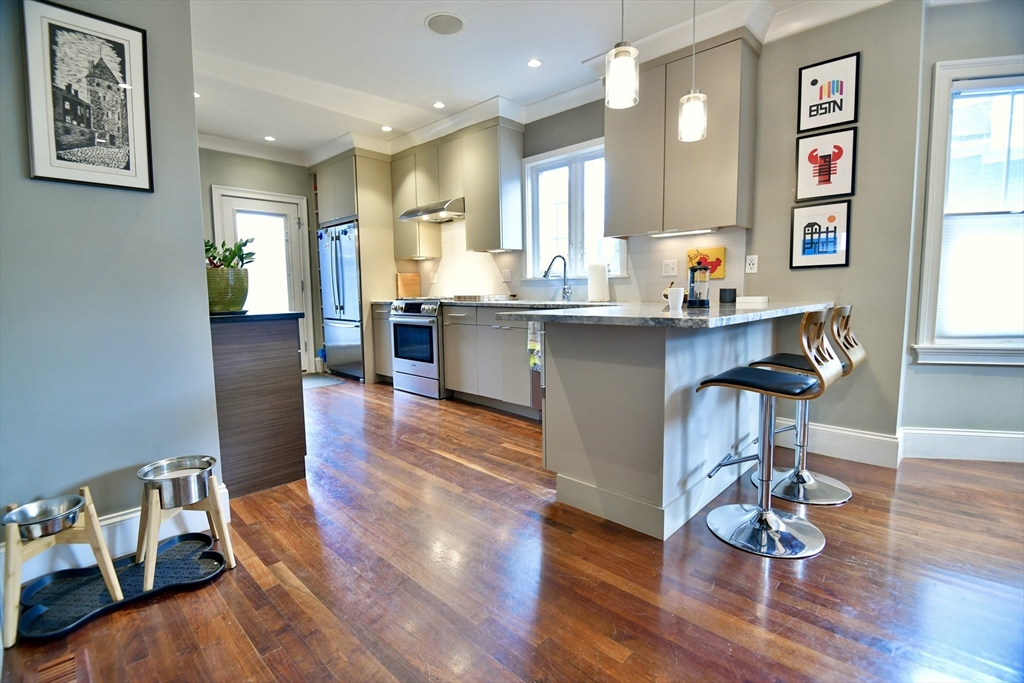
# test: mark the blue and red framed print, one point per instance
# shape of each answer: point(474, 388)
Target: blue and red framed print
point(820, 236)
point(828, 93)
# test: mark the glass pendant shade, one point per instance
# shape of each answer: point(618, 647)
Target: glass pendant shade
point(693, 117)
point(622, 77)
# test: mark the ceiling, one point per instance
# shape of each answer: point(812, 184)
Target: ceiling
point(311, 72)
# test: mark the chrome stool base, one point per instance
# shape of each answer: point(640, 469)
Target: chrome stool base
point(766, 532)
point(804, 486)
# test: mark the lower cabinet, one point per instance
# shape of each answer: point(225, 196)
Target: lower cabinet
point(460, 358)
point(382, 341)
point(486, 359)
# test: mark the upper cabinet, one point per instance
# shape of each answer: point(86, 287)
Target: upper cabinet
point(414, 183)
point(449, 168)
point(663, 185)
point(492, 181)
point(634, 154)
point(336, 191)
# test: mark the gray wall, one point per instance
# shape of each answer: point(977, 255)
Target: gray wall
point(882, 213)
point(249, 173)
point(105, 356)
point(570, 127)
point(950, 396)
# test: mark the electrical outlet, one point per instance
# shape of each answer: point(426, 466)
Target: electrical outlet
point(506, 275)
point(433, 278)
point(670, 267)
point(751, 263)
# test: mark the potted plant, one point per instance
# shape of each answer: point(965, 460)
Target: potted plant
point(227, 280)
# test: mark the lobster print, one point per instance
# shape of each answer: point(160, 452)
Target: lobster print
point(825, 164)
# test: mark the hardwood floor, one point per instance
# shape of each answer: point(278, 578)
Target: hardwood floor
point(425, 544)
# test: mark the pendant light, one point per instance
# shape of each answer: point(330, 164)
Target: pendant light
point(622, 72)
point(693, 107)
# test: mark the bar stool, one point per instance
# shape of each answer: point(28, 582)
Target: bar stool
point(757, 528)
point(797, 483)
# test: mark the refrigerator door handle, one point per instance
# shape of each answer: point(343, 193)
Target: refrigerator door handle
point(339, 307)
point(343, 324)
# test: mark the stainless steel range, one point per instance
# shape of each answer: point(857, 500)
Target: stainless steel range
point(417, 354)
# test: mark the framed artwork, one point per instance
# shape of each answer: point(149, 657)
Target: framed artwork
point(828, 93)
point(820, 236)
point(88, 98)
point(825, 165)
point(712, 257)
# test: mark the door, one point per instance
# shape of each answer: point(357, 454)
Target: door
point(347, 268)
point(277, 275)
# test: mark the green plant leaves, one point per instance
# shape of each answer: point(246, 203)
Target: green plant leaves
point(229, 257)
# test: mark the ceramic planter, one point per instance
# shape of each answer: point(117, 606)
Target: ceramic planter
point(228, 288)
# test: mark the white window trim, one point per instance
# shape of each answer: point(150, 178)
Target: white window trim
point(927, 350)
point(528, 209)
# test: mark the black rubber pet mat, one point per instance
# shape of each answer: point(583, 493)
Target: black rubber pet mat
point(58, 603)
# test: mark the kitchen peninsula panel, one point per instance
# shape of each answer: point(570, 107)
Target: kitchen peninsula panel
point(258, 377)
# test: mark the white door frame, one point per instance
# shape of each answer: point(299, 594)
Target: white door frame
point(225, 233)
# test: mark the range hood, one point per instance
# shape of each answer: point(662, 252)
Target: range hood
point(438, 212)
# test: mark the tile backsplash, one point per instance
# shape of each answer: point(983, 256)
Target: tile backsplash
point(465, 272)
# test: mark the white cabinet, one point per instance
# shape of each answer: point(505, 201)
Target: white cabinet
point(382, 341)
point(503, 361)
point(489, 360)
point(449, 170)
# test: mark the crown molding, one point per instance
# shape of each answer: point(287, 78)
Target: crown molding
point(251, 149)
point(814, 14)
point(563, 101)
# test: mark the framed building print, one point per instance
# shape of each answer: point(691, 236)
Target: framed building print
point(828, 93)
point(820, 236)
point(88, 98)
point(825, 165)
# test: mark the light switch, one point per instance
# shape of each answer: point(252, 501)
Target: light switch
point(433, 278)
point(506, 275)
point(670, 267)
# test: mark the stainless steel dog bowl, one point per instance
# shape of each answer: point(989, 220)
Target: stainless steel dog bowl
point(45, 517)
point(181, 481)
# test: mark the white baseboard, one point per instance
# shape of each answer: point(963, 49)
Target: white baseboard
point(847, 444)
point(963, 444)
point(121, 534)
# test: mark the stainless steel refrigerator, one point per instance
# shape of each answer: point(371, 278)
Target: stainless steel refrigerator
point(339, 294)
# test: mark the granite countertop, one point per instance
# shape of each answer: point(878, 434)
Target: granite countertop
point(657, 315)
point(531, 304)
point(254, 317)
point(516, 303)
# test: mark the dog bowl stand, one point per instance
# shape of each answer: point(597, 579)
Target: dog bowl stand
point(85, 530)
point(153, 515)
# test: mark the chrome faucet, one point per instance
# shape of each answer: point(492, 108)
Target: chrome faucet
point(566, 287)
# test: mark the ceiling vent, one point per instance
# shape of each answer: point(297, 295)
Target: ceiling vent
point(445, 23)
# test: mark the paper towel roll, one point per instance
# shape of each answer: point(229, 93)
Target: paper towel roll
point(597, 282)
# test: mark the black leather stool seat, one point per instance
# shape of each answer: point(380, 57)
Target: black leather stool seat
point(766, 381)
point(795, 361)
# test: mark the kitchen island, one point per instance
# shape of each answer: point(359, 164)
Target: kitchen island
point(624, 429)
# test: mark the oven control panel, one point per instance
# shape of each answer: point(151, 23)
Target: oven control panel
point(420, 308)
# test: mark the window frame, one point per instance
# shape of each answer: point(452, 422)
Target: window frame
point(946, 75)
point(572, 155)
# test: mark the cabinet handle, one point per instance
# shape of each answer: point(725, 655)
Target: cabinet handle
point(447, 324)
point(507, 328)
point(456, 315)
point(494, 327)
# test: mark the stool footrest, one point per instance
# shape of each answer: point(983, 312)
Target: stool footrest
point(731, 460)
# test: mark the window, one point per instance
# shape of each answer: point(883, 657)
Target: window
point(565, 212)
point(972, 291)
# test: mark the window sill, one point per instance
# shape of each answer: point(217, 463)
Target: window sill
point(969, 355)
point(558, 278)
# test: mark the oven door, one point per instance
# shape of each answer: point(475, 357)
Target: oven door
point(415, 350)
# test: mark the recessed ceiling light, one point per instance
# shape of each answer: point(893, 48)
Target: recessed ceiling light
point(196, 94)
point(438, 105)
point(269, 138)
point(534, 63)
point(445, 23)
point(386, 129)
